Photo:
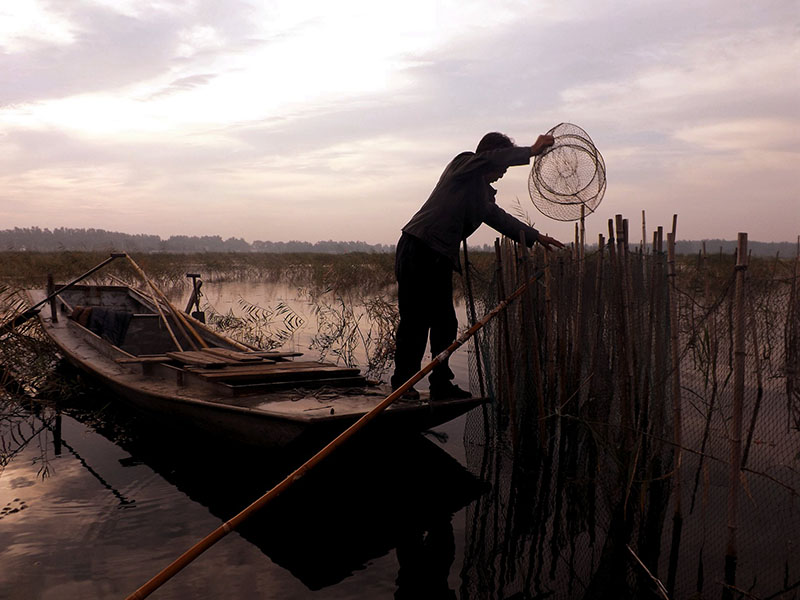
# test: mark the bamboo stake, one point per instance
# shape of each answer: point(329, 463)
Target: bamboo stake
point(582, 254)
point(473, 318)
point(759, 381)
point(677, 424)
point(532, 345)
point(505, 359)
point(792, 340)
point(731, 551)
point(597, 368)
point(549, 338)
point(644, 235)
point(192, 553)
point(676, 370)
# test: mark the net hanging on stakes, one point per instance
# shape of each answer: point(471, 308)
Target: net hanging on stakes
point(568, 180)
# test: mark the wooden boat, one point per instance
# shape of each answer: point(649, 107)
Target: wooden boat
point(133, 345)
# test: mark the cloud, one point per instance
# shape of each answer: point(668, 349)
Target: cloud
point(352, 113)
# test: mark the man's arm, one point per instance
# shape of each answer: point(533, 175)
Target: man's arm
point(501, 221)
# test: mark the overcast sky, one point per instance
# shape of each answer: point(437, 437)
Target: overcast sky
point(326, 120)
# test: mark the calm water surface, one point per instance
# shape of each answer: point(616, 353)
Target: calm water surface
point(97, 499)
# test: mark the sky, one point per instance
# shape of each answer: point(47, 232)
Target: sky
point(316, 120)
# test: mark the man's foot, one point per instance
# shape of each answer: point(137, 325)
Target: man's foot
point(410, 394)
point(448, 391)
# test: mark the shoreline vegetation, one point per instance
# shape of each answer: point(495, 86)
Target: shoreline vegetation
point(35, 239)
point(367, 272)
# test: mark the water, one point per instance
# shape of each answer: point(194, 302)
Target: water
point(96, 500)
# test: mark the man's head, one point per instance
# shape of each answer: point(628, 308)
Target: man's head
point(494, 141)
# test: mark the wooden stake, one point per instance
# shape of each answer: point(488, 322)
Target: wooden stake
point(676, 368)
point(739, 351)
point(644, 235)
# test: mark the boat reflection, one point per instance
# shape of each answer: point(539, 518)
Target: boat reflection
point(370, 497)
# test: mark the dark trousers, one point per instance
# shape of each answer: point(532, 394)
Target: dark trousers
point(425, 302)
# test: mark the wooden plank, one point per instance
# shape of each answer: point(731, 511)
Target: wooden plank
point(275, 354)
point(201, 359)
point(234, 355)
point(152, 358)
point(287, 367)
point(277, 372)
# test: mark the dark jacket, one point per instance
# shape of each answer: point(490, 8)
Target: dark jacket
point(462, 200)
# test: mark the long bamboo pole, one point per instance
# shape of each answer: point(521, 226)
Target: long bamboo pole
point(192, 553)
point(199, 324)
point(180, 320)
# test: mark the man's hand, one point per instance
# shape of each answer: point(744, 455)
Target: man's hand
point(547, 242)
point(542, 142)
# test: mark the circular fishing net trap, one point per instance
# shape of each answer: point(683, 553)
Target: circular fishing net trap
point(569, 178)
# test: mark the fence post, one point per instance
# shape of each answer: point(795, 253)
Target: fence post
point(736, 425)
point(677, 420)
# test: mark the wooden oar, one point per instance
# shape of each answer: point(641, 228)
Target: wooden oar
point(187, 557)
point(34, 310)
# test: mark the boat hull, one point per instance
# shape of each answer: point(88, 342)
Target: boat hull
point(254, 403)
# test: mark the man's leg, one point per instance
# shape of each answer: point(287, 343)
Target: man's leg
point(444, 324)
point(412, 331)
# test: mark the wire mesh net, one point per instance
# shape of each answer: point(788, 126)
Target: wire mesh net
point(615, 420)
point(568, 180)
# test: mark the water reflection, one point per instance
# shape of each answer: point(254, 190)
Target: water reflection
point(369, 498)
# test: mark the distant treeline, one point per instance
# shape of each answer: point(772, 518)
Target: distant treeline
point(53, 240)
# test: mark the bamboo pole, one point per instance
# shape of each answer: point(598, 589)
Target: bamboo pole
point(644, 235)
point(473, 318)
point(677, 423)
point(759, 381)
point(731, 551)
point(199, 324)
point(51, 293)
point(549, 338)
point(532, 344)
point(674, 327)
point(34, 310)
point(583, 233)
point(192, 553)
point(504, 358)
point(180, 320)
point(792, 341)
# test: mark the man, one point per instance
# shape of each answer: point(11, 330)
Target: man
point(427, 254)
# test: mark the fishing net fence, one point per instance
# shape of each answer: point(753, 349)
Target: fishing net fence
point(643, 439)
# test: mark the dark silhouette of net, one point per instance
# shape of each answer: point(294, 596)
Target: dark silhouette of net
point(568, 180)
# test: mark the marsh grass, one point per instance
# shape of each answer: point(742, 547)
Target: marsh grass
point(264, 327)
point(354, 327)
